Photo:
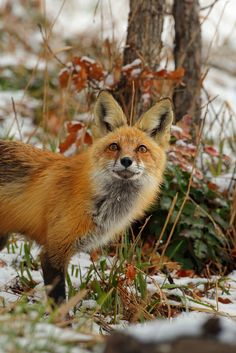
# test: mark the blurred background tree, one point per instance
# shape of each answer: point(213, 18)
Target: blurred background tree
point(144, 41)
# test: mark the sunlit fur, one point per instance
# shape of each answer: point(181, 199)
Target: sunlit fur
point(81, 202)
point(147, 167)
point(141, 188)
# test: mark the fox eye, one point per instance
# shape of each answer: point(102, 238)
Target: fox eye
point(142, 149)
point(113, 147)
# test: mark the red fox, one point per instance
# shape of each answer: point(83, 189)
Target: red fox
point(70, 204)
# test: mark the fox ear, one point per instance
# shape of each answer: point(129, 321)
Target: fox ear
point(156, 122)
point(108, 114)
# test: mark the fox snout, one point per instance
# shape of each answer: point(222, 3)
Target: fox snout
point(127, 168)
point(127, 172)
point(126, 162)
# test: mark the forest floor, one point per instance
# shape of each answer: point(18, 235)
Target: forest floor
point(28, 323)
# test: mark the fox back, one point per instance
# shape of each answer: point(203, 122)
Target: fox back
point(76, 203)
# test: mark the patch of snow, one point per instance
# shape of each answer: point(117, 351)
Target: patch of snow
point(134, 63)
point(135, 72)
point(20, 129)
point(18, 126)
point(185, 144)
point(78, 68)
point(186, 324)
point(19, 97)
point(220, 24)
point(8, 258)
point(7, 273)
point(146, 97)
point(89, 304)
point(8, 297)
point(232, 276)
point(109, 80)
point(20, 57)
point(162, 330)
point(43, 330)
point(221, 86)
point(224, 181)
point(209, 300)
point(83, 259)
point(90, 60)
point(7, 96)
point(78, 17)
point(176, 128)
point(71, 150)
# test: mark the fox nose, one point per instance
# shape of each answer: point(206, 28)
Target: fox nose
point(126, 161)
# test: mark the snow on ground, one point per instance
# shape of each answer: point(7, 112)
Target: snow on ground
point(9, 270)
point(220, 298)
point(210, 302)
point(185, 325)
point(19, 57)
point(18, 125)
point(39, 337)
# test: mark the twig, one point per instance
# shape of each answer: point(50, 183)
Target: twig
point(16, 119)
point(217, 26)
point(132, 104)
point(166, 222)
point(96, 271)
point(140, 232)
point(168, 275)
point(45, 40)
point(66, 307)
point(209, 6)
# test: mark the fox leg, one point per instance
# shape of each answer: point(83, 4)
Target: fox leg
point(53, 276)
point(3, 241)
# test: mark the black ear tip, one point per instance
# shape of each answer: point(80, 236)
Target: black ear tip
point(104, 92)
point(167, 100)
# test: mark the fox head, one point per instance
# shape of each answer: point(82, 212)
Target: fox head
point(131, 152)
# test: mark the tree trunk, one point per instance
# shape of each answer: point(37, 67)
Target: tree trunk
point(143, 41)
point(187, 54)
point(144, 32)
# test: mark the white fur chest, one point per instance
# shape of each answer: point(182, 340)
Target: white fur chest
point(113, 212)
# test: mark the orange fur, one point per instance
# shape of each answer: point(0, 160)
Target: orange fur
point(54, 200)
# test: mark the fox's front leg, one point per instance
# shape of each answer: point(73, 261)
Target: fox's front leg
point(54, 279)
point(3, 241)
